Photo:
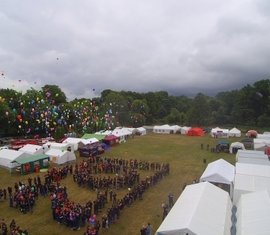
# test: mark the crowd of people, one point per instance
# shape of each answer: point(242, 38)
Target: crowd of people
point(76, 215)
point(12, 228)
point(89, 173)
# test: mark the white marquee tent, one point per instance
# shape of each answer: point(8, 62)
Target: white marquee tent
point(253, 214)
point(184, 130)
point(141, 130)
point(250, 178)
point(76, 141)
point(7, 156)
point(219, 132)
point(201, 209)
point(234, 132)
point(261, 144)
point(32, 149)
point(122, 133)
point(60, 157)
point(163, 129)
point(220, 171)
point(252, 157)
point(265, 135)
point(60, 146)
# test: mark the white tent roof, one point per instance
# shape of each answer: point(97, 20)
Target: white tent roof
point(253, 214)
point(252, 157)
point(236, 145)
point(9, 155)
point(31, 149)
point(55, 145)
point(265, 135)
point(234, 131)
point(142, 130)
point(201, 209)
point(59, 156)
point(80, 140)
point(121, 132)
point(185, 129)
point(250, 178)
point(219, 171)
point(261, 143)
point(106, 132)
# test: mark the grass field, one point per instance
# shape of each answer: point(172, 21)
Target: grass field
point(184, 154)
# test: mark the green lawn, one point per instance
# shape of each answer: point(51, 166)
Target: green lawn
point(184, 154)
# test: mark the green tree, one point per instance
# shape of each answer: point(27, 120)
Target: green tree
point(54, 94)
point(199, 113)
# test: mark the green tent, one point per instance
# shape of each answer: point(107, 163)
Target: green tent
point(33, 163)
point(89, 136)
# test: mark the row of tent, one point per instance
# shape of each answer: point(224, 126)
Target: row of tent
point(28, 156)
point(196, 131)
point(228, 199)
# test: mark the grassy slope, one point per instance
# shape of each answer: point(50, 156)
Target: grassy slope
point(182, 152)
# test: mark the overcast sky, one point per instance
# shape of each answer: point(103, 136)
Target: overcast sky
point(180, 46)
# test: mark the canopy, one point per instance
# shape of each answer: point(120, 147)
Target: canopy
point(40, 160)
point(253, 214)
point(219, 171)
point(201, 209)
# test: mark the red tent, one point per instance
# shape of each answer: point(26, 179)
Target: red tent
point(111, 140)
point(195, 131)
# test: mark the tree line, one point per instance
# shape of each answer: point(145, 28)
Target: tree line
point(47, 111)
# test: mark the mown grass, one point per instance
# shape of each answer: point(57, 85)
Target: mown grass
point(184, 154)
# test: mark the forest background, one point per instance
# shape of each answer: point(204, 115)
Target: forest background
point(47, 112)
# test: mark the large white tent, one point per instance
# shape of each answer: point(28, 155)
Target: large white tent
point(184, 130)
point(60, 157)
point(60, 146)
point(32, 149)
point(141, 130)
point(201, 209)
point(234, 132)
point(219, 132)
point(122, 133)
point(265, 135)
point(252, 157)
point(166, 129)
point(261, 144)
point(250, 178)
point(76, 142)
point(253, 214)
point(220, 171)
point(7, 156)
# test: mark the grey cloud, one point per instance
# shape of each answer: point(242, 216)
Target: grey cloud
point(184, 47)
